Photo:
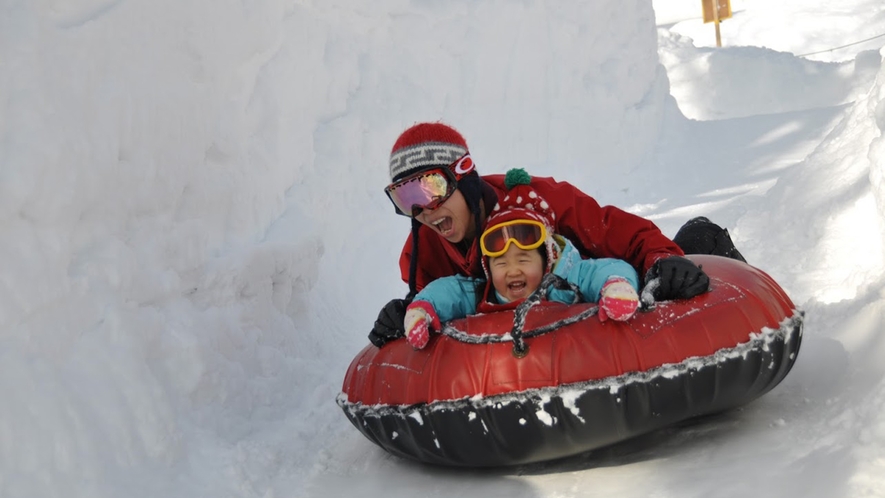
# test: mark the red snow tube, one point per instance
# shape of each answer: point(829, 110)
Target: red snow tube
point(468, 400)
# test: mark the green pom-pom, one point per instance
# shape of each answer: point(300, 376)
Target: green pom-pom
point(516, 176)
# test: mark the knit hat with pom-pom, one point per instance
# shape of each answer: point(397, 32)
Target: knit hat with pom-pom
point(522, 202)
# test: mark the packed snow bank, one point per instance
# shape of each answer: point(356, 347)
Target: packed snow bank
point(874, 104)
point(831, 31)
point(145, 321)
point(836, 273)
point(190, 194)
point(838, 247)
point(705, 86)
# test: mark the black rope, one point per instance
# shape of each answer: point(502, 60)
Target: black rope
point(518, 333)
point(550, 281)
point(462, 336)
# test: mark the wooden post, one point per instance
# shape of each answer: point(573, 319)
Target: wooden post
point(716, 22)
point(716, 11)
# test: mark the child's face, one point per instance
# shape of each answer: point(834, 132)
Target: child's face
point(517, 272)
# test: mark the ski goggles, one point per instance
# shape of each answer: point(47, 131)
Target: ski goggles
point(427, 189)
point(526, 234)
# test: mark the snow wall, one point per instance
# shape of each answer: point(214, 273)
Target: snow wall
point(182, 185)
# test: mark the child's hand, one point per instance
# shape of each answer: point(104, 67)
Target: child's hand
point(420, 319)
point(618, 300)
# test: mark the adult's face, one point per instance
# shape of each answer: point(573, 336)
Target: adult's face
point(452, 220)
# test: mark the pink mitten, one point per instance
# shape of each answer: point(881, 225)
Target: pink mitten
point(618, 300)
point(420, 319)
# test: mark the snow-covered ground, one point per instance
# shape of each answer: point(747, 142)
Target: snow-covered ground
point(194, 240)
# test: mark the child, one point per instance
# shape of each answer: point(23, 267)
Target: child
point(519, 248)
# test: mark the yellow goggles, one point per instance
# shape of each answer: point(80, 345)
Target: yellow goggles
point(526, 234)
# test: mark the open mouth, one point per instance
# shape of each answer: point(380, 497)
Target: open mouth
point(516, 288)
point(444, 225)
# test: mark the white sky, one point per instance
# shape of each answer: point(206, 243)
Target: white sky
point(194, 240)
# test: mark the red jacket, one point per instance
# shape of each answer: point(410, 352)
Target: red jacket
point(597, 232)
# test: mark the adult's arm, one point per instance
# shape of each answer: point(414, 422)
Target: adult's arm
point(605, 231)
point(611, 232)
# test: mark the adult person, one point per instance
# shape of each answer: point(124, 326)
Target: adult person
point(435, 183)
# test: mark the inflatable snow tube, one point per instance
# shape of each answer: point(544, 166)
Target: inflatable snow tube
point(468, 400)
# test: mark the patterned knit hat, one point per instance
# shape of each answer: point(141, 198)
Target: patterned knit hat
point(432, 145)
point(425, 146)
point(522, 202)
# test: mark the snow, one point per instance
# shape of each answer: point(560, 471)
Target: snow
point(194, 240)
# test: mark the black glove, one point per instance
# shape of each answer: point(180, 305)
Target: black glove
point(679, 278)
point(389, 325)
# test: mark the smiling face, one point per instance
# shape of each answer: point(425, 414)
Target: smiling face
point(517, 273)
point(452, 220)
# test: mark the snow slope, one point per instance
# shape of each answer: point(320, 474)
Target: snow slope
point(194, 239)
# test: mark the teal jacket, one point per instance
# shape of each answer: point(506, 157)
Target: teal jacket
point(458, 296)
